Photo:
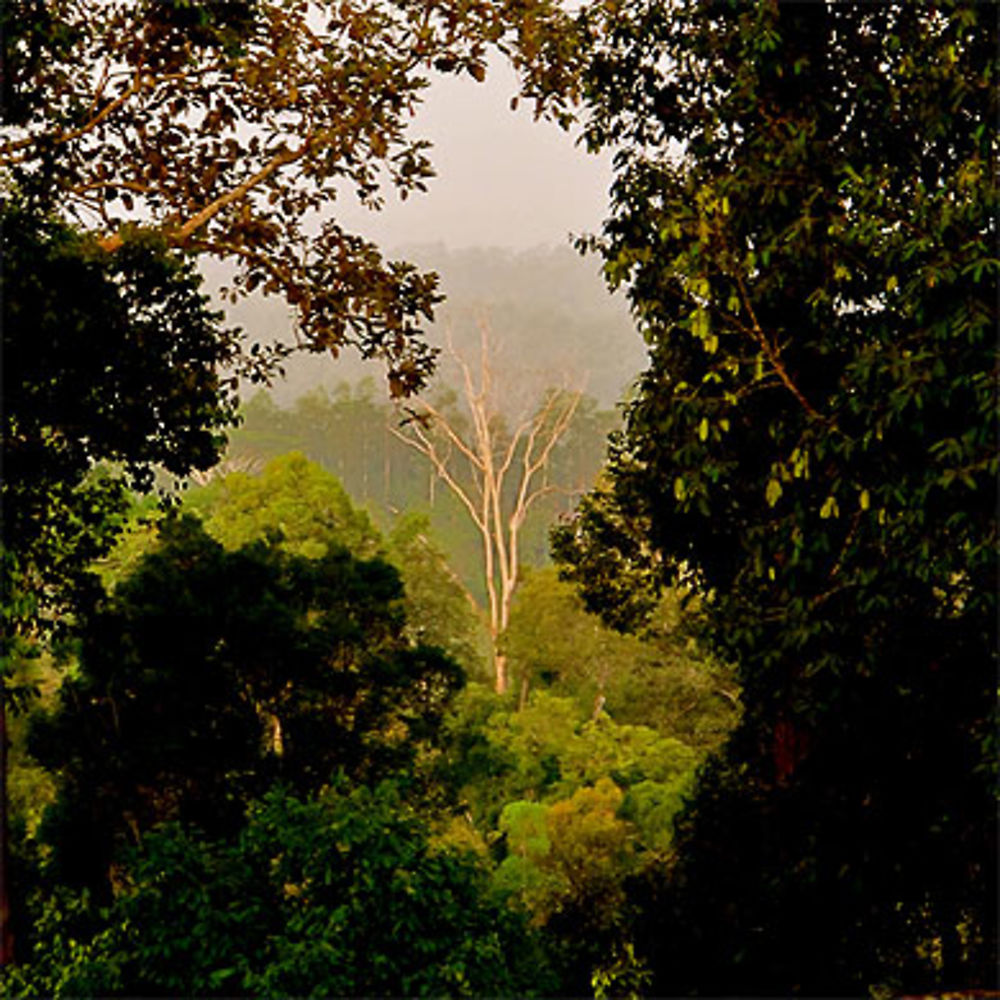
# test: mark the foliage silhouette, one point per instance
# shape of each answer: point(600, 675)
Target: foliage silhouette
point(814, 448)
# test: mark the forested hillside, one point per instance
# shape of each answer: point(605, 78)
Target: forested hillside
point(547, 306)
point(508, 672)
point(352, 431)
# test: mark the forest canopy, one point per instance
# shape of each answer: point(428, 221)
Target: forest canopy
point(274, 737)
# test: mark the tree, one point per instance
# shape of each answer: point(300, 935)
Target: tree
point(496, 471)
point(106, 360)
point(660, 679)
point(290, 497)
point(439, 609)
point(308, 508)
point(230, 127)
point(341, 894)
point(93, 347)
point(566, 865)
point(496, 753)
point(804, 217)
point(209, 674)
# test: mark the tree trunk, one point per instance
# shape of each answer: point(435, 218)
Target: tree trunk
point(492, 454)
point(500, 666)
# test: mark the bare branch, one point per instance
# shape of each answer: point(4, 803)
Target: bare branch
point(493, 455)
point(422, 444)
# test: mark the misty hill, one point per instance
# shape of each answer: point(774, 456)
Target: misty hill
point(548, 309)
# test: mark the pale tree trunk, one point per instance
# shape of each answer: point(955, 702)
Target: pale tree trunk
point(493, 459)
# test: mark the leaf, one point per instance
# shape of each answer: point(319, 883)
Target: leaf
point(773, 492)
point(829, 508)
point(699, 323)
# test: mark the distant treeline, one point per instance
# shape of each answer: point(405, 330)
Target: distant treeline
point(349, 431)
point(548, 307)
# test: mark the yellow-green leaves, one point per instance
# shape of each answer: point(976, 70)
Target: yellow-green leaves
point(829, 508)
point(702, 329)
point(773, 492)
point(699, 323)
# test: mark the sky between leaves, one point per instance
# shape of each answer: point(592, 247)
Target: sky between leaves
point(503, 180)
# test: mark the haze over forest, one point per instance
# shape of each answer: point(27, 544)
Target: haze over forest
point(548, 308)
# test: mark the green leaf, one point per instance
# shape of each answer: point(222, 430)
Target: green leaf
point(699, 323)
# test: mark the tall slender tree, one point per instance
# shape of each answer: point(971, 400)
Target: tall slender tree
point(495, 468)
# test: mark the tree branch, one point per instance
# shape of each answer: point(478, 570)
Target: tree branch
point(771, 352)
point(179, 235)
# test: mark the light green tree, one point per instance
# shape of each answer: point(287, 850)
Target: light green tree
point(664, 678)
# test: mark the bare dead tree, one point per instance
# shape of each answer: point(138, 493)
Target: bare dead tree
point(252, 465)
point(497, 469)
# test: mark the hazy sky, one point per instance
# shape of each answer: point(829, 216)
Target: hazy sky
point(502, 178)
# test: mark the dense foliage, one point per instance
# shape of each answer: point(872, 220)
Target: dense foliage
point(342, 894)
point(106, 359)
point(306, 507)
point(804, 216)
point(208, 674)
point(215, 677)
point(348, 430)
point(771, 771)
point(662, 678)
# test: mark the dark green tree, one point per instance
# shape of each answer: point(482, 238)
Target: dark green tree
point(342, 894)
point(106, 360)
point(209, 674)
point(312, 512)
point(804, 216)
